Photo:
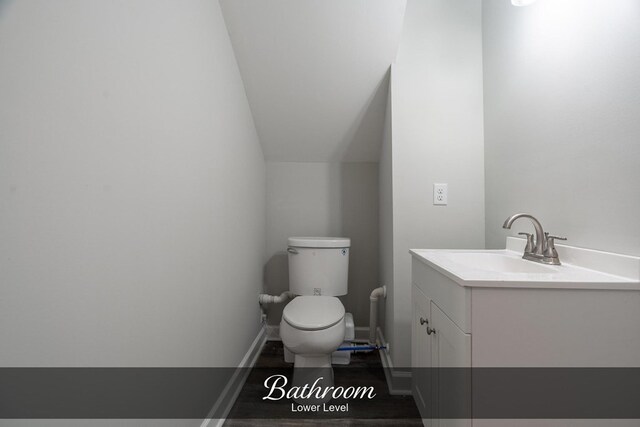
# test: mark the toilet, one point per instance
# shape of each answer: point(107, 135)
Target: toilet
point(313, 323)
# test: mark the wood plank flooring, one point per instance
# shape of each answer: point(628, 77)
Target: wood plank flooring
point(365, 369)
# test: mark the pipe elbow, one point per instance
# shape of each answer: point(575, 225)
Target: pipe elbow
point(275, 299)
point(377, 293)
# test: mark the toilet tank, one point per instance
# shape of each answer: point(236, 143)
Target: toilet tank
point(318, 265)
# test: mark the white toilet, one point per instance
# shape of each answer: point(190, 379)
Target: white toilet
point(313, 324)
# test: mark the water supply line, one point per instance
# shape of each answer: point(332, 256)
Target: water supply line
point(362, 348)
point(373, 312)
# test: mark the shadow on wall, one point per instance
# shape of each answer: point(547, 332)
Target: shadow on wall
point(276, 281)
point(359, 199)
point(4, 4)
point(364, 138)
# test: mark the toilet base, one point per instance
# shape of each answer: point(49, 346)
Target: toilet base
point(315, 372)
point(312, 361)
point(289, 357)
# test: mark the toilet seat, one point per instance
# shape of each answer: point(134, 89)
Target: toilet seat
point(312, 313)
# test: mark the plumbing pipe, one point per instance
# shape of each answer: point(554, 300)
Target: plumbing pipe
point(373, 312)
point(275, 299)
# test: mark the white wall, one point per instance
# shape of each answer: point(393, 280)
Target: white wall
point(385, 185)
point(315, 73)
point(561, 119)
point(324, 199)
point(132, 222)
point(436, 136)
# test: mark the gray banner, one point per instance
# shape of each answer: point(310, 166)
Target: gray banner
point(183, 393)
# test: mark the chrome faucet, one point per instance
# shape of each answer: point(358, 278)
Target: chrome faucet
point(542, 249)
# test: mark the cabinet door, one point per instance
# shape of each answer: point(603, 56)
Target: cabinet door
point(421, 357)
point(450, 348)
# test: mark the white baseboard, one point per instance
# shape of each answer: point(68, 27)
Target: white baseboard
point(231, 391)
point(398, 381)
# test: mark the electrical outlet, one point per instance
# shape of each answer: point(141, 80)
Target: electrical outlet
point(440, 194)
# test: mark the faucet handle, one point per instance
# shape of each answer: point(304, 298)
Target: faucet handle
point(529, 247)
point(550, 251)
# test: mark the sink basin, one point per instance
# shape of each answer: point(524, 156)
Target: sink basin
point(581, 268)
point(502, 261)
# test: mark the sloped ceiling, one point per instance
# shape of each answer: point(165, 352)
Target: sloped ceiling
point(316, 73)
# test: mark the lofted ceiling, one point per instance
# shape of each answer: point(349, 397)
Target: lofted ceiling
point(316, 73)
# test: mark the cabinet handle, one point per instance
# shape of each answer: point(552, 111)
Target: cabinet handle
point(423, 321)
point(430, 331)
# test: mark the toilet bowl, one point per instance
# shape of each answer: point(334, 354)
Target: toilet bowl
point(312, 328)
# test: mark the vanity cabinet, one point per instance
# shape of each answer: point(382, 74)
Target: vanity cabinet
point(438, 342)
point(475, 324)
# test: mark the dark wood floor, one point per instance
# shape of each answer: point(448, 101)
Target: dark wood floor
point(365, 369)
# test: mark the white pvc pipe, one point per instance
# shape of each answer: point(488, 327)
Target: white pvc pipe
point(275, 299)
point(373, 311)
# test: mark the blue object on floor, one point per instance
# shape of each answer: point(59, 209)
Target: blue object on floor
point(361, 348)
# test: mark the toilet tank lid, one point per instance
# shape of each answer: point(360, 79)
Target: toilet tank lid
point(319, 242)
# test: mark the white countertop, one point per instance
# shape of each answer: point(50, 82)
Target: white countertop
point(580, 269)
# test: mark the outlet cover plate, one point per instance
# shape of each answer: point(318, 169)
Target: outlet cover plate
point(440, 194)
